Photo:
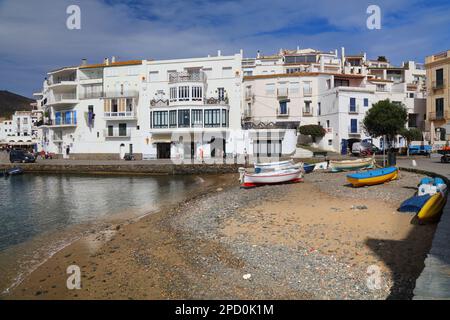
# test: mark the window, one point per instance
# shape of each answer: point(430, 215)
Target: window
point(411, 94)
point(352, 105)
point(319, 109)
point(341, 83)
point(160, 119)
point(221, 94)
point(129, 104)
point(307, 90)
point(283, 107)
point(224, 118)
point(197, 118)
point(183, 93)
point(307, 108)
point(330, 142)
point(381, 87)
point(439, 78)
point(328, 123)
point(173, 94)
point(329, 84)
point(184, 118)
point(153, 76)
point(294, 87)
point(114, 105)
point(110, 131)
point(197, 93)
point(366, 102)
point(353, 125)
point(439, 108)
point(270, 88)
point(122, 129)
point(412, 120)
point(212, 118)
point(173, 118)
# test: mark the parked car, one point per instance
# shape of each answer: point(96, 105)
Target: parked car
point(364, 148)
point(21, 156)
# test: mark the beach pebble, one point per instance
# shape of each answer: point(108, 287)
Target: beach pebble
point(247, 276)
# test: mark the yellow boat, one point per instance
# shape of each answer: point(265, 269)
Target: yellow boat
point(372, 177)
point(433, 207)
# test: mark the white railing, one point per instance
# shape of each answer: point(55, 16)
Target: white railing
point(307, 112)
point(187, 76)
point(283, 114)
point(120, 114)
point(121, 94)
point(57, 97)
point(91, 95)
point(353, 108)
point(282, 92)
point(307, 92)
point(117, 133)
point(353, 130)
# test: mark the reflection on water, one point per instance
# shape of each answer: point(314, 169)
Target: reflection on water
point(35, 204)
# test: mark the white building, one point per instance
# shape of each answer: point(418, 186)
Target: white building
point(20, 130)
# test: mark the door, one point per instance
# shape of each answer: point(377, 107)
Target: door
point(352, 105)
point(353, 125)
point(163, 150)
point(122, 151)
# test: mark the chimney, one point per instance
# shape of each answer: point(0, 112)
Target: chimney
point(113, 59)
point(241, 52)
point(106, 61)
point(219, 53)
point(322, 64)
point(83, 62)
point(343, 58)
point(258, 54)
point(298, 49)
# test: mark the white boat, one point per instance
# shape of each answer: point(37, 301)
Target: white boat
point(321, 166)
point(249, 180)
point(275, 166)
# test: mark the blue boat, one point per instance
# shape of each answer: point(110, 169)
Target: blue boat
point(308, 167)
point(414, 204)
point(372, 177)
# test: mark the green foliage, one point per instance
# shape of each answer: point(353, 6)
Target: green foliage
point(411, 134)
point(313, 130)
point(385, 118)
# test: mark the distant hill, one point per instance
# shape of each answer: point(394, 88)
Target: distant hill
point(11, 102)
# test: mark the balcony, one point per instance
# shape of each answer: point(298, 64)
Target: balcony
point(353, 109)
point(307, 92)
point(63, 81)
point(61, 122)
point(354, 131)
point(283, 113)
point(249, 95)
point(91, 95)
point(282, 93)
point(120, 115)
point(438, 84)
point(307, 112)
point(433, 116)
point(186, 76)
point(117, 133)
point(121, 94)
point(63, 98)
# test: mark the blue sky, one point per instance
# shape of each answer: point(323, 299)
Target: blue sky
point(34, 38)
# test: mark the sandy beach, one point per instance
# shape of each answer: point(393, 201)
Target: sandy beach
point(311, 240)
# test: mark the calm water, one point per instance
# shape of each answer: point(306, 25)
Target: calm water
point(34, 204)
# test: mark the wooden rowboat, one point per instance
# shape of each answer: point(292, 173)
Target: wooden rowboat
point(372, 177)
point(250, 180)
point(351, 164)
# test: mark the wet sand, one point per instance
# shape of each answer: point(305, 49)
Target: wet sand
point(301, 241)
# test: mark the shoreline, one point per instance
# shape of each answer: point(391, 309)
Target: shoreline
point(201, 247)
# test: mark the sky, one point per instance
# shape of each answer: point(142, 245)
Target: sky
point(34, 38)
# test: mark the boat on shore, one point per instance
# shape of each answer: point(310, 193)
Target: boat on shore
point(250, 180)
point(373, 177)
point(346, 165)
point(308, 168)
point(275, 166)
point(432, 208)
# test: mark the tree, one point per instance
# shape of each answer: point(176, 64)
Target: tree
point(313, 130)
point(411, 134)
point(385, 118)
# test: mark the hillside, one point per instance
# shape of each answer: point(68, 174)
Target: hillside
point(11, 102)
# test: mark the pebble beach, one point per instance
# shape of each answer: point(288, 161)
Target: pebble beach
point(319, 239)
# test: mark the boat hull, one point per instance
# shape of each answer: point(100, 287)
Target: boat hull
point(432, 208)
point(348, 165)
point(258, 179)
point(372, 180)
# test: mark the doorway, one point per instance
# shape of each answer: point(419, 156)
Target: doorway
point(163, 150)
point(122, 151)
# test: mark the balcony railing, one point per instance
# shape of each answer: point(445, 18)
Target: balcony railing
point(353, 130)
point(91, 95)
point(249, 95)
point(438, 115)
point(64, 121)
point(283, 113)
point(307, 92)
point(117, 133)
point(61, 97)
point(59, 80)
point(121, 115)
point(186, 76)
point(121, 94)
point(282, 92)
point(353, 109)
point(439, 84)
point(307, 112)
